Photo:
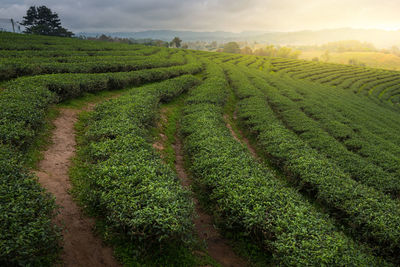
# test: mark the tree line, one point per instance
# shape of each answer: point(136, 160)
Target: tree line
point(269, 50)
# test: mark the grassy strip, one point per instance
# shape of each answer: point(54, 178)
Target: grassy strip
point(171, 112)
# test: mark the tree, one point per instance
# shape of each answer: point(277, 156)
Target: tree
point(326, 56)
point(231, 47)
point(41, 20)
point(271, 51)
point(161, 43)
point(246, 50)
point(105, 38)
point(176, 42)
point(295, 54)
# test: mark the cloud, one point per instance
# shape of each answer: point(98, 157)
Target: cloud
point(230, 15)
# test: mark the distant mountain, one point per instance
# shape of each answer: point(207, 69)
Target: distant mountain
point(380, 38)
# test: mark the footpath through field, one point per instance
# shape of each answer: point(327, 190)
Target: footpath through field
point(242, 139)
point(217, 246)
point(80, 246)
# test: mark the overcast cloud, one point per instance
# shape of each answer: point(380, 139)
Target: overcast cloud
point(213, 15)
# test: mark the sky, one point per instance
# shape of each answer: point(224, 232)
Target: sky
point(214, 15)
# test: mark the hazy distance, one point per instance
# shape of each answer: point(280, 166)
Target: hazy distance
point(217, 15)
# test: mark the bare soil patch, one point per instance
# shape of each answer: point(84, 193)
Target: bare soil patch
point(81, 247)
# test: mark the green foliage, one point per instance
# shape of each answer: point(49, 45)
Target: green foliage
point(26, 99)
point(382, 84)
point(331, 129)
point(28, 236)
point(325, 130)
point(176, 42)
point(13, 68)
point(124, 180)
point(272, 51)
point(248, 198)
point(372, 214)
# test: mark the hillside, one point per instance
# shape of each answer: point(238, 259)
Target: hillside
point(174, 157)
point(370, 59)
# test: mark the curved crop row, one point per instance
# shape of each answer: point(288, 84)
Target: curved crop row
point(373, 215)
point(73, 55)
point(124, 180)
point(246, 195)
point(25, 100)
point(27, 235)
point(353, 135)
point(16, 69)
point(333, 74)
point(364, 162)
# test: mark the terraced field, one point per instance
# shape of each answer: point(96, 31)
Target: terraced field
point(377, 83)
point(190, 158)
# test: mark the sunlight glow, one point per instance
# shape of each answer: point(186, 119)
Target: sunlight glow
point(391, 28)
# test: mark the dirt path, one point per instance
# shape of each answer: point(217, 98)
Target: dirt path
point(159, 145)
point(243, 139)
point(81, 247)
point(217, 246)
